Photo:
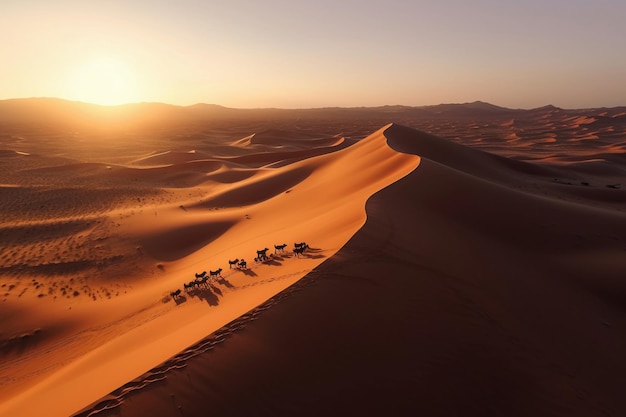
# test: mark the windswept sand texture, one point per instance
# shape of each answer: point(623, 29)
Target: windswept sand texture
point(477, 269)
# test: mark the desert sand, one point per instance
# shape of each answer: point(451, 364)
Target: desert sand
point(463, 260)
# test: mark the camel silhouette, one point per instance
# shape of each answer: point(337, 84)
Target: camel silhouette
point(201, 281)
point(261, 255)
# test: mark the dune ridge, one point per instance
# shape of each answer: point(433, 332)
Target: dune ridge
point(252, 213)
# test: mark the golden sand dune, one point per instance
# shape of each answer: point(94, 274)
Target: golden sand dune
point(471, 282)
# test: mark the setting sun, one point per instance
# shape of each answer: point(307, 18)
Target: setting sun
point(104, 80)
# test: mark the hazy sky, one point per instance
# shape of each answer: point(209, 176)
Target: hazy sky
point(316, 53)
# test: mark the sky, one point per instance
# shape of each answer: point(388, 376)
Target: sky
point(322, 53)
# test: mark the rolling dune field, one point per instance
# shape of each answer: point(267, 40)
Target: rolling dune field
point(461, 260)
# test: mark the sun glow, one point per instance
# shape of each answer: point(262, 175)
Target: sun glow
point(106, 81)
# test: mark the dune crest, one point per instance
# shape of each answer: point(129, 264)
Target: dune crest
point(319, 199)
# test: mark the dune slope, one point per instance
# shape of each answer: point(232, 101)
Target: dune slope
point(319, 200)
point(463, 294)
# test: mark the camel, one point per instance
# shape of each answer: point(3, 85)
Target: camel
point(242, 264)
point(299, 250)
point(216, 273)
point(200, 275)
point(175, 294)
point(231, 263)
point(261, 255)
point(189, 286)
point(280, 248)
point(201, 281)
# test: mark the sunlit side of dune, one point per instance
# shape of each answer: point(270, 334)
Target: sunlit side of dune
point(320, 199)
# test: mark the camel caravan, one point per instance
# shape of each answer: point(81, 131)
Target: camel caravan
point(203, 280)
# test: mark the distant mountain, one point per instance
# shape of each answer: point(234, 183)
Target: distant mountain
point(468, 109)
point(29, 110)
point(53, 112)
point(66, 114)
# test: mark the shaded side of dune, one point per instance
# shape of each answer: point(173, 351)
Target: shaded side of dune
point(459, 296)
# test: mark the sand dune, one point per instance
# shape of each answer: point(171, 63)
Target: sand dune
point(441, 279)
point(458, 296)
point(270, 207)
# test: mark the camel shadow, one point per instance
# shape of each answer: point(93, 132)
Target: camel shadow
point(309, 255)
point(216, 290)
point(225, 282)
point(208, 296)
point(249, 272)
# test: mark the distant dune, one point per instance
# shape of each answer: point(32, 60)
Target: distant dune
point(462, 259)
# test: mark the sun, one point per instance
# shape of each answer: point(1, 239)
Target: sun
point(104, 80)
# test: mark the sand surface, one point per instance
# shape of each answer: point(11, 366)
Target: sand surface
point(478, 269)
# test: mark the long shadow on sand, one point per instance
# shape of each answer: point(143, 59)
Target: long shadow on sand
point(313, 253)
point(310, 256)
point(216, 290)
point(180, 299)
point(225, 282)
point(272, 262)
point(249, 272)
point(207, 295)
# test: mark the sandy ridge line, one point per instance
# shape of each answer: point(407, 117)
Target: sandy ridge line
point(385, 170)
point(159, 373)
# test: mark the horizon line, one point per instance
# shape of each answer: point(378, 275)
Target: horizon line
point(133, 103)
point(130, 103)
